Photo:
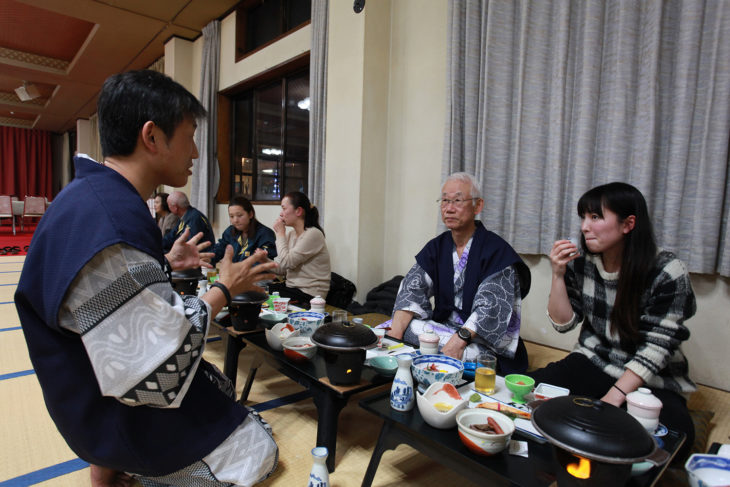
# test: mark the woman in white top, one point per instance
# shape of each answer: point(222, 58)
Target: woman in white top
point(302, 254)
point(166, 220)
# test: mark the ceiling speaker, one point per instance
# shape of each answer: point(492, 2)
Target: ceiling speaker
point(27, 92)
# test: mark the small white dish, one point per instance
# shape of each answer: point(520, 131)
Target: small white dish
point(440, 404)
point(708, 470)
point(661, 430)
point(546, 391)
point(278, 333)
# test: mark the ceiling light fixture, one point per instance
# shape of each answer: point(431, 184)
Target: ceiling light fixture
point(27, 92)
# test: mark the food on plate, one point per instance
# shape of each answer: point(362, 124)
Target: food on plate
point(450, 390)
point(508, 410)
point(476, 397)
point(433, 368)
point(491, 427)
point(443, 407)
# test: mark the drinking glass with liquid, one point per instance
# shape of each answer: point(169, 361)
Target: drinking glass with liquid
point(485, 375)
point(339, 315)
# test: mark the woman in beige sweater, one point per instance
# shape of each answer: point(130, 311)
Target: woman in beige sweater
point(166, 220)
point(302, 254)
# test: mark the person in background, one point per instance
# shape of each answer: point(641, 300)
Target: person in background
point(630, 299)
point(302, 253)
point(476, 279)
point(117, 352)
point(246, 233)
point(190, 218)
point(166, 220)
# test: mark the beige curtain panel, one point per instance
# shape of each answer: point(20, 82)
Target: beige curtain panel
point(206, 174)
point(318, 103)
point(548, 99)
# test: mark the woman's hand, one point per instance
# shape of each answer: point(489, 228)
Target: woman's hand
point(279, 227)
point(186, 254)
point(563, 251)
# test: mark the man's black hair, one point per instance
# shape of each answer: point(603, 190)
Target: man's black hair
point(128, 100)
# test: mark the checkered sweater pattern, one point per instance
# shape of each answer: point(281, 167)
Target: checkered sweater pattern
point(665, 305)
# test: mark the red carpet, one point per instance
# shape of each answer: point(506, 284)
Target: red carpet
point(15, 244)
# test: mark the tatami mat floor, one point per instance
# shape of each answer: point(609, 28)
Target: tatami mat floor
point(33, 453)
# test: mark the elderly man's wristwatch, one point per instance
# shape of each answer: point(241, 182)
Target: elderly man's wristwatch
point(465, 335)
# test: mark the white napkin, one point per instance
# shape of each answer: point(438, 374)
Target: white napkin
point(518, 448)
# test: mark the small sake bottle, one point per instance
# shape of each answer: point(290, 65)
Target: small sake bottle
point(319, 475)
point(402, 397)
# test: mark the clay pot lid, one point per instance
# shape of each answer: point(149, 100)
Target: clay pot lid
point(250, 297)
point(344, 335)
point(188, 274)
point(593, 429)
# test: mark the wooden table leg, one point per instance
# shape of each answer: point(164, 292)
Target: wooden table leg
point(328, 412)
point(258, 359)
point(385, 442)
point(230, 363)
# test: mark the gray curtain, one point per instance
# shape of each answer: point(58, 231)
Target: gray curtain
point(206, 175)
point(318, 103)
point(548, 99)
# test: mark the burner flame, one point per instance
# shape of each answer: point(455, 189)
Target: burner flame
point(581, 470)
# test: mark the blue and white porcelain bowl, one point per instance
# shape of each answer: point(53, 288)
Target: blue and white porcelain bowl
point(708, 470)
point(427, 369)
point(306, 322)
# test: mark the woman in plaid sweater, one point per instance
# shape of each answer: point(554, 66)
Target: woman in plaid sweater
point(631, 300)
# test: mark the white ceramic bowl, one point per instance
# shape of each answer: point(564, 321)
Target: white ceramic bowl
point(278, 333)
point(708, 470)
point(447, 369)
point(306, 322)
point(299, 349)
point(479, 442)
point(438, 408)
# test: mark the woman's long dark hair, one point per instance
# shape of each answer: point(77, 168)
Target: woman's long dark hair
point(163, 201)
point(244, 203)
point(311, 213)
point(638, 255)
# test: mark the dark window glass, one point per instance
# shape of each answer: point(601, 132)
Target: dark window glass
point(242, 164)
point(263, 24)
point(263, 21)
point(297, 134)
point(298, 12)
point(271, 139)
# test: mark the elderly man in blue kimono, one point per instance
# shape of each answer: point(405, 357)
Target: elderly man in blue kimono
point(477, 282)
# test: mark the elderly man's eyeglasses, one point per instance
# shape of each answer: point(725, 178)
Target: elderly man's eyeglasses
point(458, 202)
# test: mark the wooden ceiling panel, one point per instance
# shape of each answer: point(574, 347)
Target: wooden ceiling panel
point(165, 11)
point(37, 31)
point(193, 16)
point(92, 39)
point(7, 113)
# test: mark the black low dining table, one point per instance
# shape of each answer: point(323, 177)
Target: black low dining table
point(445, 447)
point(329, 398)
